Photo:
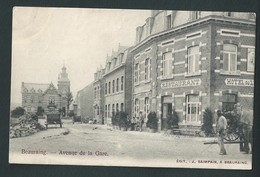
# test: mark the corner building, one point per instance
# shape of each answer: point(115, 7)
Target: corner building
point(188, 61)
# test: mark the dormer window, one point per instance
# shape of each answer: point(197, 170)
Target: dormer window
point(195, 15)
point(121, 58)
point(168, 21)
point(116, 63)
point(228, 14)
point(32, 90)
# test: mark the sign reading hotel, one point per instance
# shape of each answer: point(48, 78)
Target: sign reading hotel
point(239, 82)
point(181, 83)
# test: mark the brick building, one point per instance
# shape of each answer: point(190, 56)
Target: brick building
point(188, 61)
point(83, 103)
point(98, 104)
point(117, 82)
point(38, 96)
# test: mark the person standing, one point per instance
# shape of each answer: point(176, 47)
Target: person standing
point(141, 119)
point(246, 125)
point(221, 127)
point(133, 123)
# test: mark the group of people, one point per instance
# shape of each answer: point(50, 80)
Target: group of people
point(137, 122)
point(244, 124)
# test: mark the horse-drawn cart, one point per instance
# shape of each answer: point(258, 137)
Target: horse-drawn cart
point(53, 116)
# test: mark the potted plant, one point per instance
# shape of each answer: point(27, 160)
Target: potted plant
point(152, 122)
point(207, 125)
point(173, 120)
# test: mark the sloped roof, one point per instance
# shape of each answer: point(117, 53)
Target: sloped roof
point(51, 87)
point(36, 86)
point(121, 49)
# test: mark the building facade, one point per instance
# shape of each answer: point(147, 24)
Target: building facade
point(188, 61)
point(37, 96)
point(117, 82)
point(83, 104)
point(98, 105)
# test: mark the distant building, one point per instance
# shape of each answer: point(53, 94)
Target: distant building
point(84, 101)
point(38, 95)
point(190, 60)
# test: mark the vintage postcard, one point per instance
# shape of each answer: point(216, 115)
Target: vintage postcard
point(135, 88)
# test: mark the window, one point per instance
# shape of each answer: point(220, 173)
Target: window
point(105, 88)
point(146, 108)
point(250, 59)
point(98, 92)
point(168, 21)
point(137, 68)
point(117, 108)
point(97, 110)
point(113, 86)
point(95, 92)
point(51, 100)
point(192, 108)
point(122, 107)
point(108, 111)
point(228, 14)
point(195, 15)
point(136, 107)
point(193, 60)
point(228, 102)
point(230, 57)
point(116, 63)
point(117, 84)
point(147, 70)
point(167, 64)
point(122, 82)
point(32, 99)
point(109, 87)
point(113, 109)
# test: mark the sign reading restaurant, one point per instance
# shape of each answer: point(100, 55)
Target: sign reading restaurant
point(181, 83)
point(239, 82)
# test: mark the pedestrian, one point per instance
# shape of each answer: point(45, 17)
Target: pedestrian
point(141, 119)
point(239, 127)
point(221, 128)
point(133, 123)
point(246, 125)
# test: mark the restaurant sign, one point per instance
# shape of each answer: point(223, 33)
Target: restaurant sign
point(181, 83)
point(239, 82)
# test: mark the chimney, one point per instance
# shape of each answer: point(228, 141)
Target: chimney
point(139, 30)
point(149, 25)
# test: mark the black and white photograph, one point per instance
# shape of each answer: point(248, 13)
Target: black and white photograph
point(132, 88)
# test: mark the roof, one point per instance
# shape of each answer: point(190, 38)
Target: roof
point(35, 86)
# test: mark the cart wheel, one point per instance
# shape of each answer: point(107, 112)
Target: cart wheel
point(231, 136)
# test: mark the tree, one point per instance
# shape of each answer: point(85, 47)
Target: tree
point(17, 112)
point(69, 99)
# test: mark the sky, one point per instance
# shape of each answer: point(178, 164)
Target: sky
point(45, 39)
